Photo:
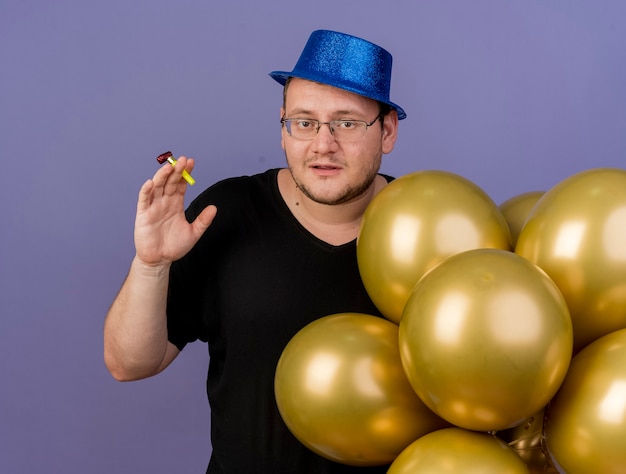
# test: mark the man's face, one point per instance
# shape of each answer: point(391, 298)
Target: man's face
point(326, 170)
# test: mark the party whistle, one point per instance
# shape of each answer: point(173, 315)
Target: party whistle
point(169, 157)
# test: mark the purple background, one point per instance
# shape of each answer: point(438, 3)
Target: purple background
point(515, 96)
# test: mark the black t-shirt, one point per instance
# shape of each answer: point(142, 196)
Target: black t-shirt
point(255, 278)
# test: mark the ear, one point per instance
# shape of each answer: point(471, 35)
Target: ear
point(390, 131)
point(282, 129)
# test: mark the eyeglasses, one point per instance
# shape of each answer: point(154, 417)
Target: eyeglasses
point(342, 130)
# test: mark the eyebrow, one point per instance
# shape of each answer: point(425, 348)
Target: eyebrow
point(336, 113)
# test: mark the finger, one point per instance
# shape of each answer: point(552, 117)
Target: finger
point(161, 178)
point(145, 196)
point(190, 164)
point(186, 175)
point(204, 220)
point(172, 178)
point(173, 183)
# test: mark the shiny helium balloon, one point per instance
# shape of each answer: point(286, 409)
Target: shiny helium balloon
point(341, 390)
point(516, 210)
point(577, 233)
point(486, 339)
point(414, 223)
point(526, 440)
point(585, 423)
point(458, 451)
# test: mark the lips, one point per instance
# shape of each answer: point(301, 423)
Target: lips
point(325, 169)
point(324, 165)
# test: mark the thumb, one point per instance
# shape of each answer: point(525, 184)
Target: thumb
point(204, 220)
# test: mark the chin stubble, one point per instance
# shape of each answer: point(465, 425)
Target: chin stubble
point(347, 195)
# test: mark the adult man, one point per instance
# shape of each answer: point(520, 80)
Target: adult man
point(278, 254)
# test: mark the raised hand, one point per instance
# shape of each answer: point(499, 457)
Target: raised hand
point(162, 233)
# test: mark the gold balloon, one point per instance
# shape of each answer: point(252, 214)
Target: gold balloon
point(516, 210)
point(585, 423)
point(526, 440)
point(341, 390)
point(485, 339)
point(577, 234)
point(414, 223)
point(458, 451)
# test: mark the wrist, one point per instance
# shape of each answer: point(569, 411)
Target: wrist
point(150, 269)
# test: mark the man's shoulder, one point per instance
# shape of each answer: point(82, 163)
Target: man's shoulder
point(238, 190)
point(263, 180)
point(387, 177)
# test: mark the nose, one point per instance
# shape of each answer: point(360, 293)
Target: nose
point(324, 140)
point(321, 124)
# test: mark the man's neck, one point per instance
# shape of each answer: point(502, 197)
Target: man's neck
point(336, 224)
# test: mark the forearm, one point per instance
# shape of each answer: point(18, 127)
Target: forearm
point(135, 329)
